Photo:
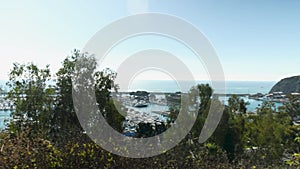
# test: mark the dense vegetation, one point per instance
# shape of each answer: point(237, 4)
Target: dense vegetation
point(287, 85)
point(45, 131)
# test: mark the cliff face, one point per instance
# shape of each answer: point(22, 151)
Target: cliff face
point(287, 85)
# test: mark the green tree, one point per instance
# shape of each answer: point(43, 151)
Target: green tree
point(81, 65)
point(268, 132)
point(205, 94)
point(32, 96)
point(237, 105)
point(292, 107)
point(64, 120)
point(111, 109)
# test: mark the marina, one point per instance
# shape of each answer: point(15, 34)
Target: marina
point(155, 107)
point(6, 104)
point(142, 107)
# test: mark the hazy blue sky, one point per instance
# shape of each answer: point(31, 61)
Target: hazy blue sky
point(254, 39)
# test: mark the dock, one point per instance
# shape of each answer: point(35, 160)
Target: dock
point(215, 94)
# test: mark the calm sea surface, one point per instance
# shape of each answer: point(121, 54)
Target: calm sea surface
point(232, 87)
point(3, 116)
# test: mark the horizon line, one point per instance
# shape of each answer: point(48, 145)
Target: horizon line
point(227, 80)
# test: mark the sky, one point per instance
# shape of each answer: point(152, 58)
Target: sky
point(255, 40)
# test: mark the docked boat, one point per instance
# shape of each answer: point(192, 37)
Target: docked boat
point(141, 104)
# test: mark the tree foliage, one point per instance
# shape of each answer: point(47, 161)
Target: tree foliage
point(32, 95)
point(45, 131)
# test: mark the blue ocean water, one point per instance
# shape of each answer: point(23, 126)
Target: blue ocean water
point(232, 87)
point(4, 115)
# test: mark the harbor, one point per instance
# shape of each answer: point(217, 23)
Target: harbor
point(142, 107)
point(5, 103)
point(153, 107)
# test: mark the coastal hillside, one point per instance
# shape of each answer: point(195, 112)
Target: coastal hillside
point(287, 85)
